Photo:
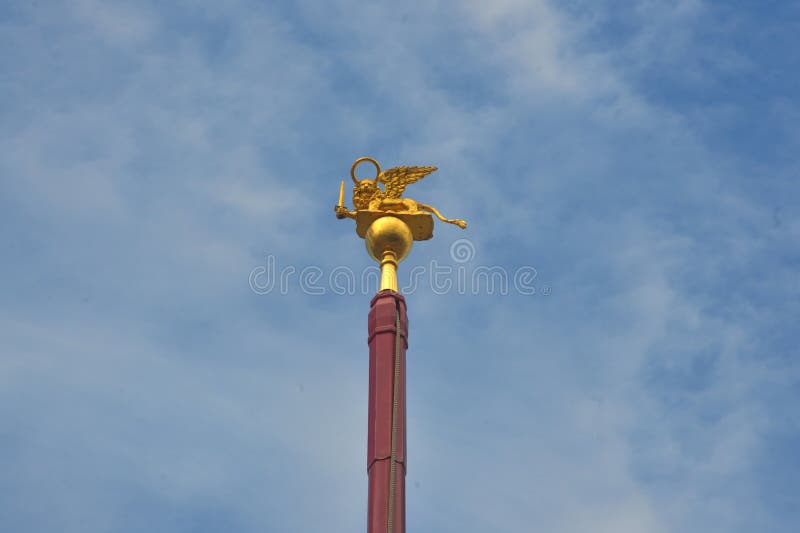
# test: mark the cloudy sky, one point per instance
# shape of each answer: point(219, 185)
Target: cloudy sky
point(640, 158)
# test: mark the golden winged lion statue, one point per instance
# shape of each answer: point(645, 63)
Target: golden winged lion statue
point(371, 202)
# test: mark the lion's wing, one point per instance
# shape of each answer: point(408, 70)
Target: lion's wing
point(396, 179)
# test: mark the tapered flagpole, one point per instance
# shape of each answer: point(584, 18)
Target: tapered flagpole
point(386, 432)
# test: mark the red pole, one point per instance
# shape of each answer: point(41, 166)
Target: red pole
point(386, 434)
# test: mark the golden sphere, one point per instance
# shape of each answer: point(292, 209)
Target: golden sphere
point(389, 234)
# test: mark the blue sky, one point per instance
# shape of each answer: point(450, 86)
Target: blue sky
point(641, 156)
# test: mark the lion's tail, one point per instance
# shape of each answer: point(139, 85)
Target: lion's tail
point(458, 222)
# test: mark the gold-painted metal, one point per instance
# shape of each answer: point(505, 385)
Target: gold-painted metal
point(388, 222)
point(341, 195)
point(368, 196)
point(389, 241)
point(420, 224)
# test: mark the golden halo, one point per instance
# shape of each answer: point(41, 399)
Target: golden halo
point(361, 160)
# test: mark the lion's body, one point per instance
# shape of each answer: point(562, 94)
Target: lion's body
point(367, 195)
point(394, 204)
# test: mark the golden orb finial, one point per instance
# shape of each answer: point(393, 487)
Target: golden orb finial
point(389, 241)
